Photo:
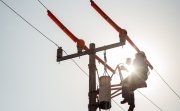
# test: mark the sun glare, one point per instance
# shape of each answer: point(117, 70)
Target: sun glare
point(119, 56)
point(130, 68)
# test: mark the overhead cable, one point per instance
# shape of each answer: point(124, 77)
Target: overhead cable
point(29, 23)
point(150, 100)
point(167, 84)
point(77, 65)
point(118, 105)
point(42, 4)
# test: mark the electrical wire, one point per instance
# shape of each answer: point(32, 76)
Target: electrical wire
point(42, 4)
point(118, 105)
point(167, 84)
point(77, 65)
point(29, 23)
point(150, 100)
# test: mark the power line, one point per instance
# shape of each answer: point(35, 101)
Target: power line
point(29, 23)
point(118, 105)
point(77, 65)
point(167, 84)
point(150, 100)
point(42, 4)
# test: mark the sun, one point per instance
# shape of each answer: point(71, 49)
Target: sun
point(117, 57)
point(130, 68)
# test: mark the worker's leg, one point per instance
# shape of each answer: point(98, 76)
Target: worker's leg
point(125, 94)
point(131, 101)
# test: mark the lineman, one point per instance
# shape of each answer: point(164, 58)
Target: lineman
point(137, 79)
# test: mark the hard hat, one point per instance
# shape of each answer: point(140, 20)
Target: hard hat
point(141, 53)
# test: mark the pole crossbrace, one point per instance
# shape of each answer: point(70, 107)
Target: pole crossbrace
point(88, 51)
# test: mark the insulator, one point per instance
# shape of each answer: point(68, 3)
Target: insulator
point(59, 53)
point(105, 92)
point(122, 35)
point(79, 50)
point(80, 45)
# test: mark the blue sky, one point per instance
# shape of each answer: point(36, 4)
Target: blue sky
point(32, 80)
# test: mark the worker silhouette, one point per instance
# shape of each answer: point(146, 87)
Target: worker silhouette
point(137, 79)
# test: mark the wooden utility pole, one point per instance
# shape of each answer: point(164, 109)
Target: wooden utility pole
point(92, 79)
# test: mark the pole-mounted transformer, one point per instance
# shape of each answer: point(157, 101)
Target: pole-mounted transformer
point(59, 54)
point(105, 92)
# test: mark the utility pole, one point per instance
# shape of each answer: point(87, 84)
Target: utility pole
point(92, 79)
point(93, 104)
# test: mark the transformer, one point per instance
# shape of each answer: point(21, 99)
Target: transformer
point(105, 92)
